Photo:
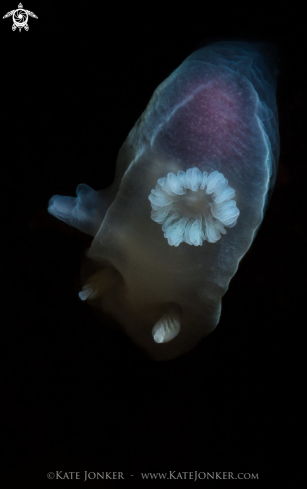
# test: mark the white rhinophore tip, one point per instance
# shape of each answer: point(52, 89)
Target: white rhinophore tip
point(167, 328)
point(86, 293)
point(98, 283)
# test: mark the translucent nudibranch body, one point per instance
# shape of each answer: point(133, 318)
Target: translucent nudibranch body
point(193, 181)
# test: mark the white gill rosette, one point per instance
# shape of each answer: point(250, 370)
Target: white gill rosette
point(193, 207)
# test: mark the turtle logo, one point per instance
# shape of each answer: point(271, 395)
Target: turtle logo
point(20, 18)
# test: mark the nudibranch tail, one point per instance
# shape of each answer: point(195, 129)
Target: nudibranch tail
point(84, 212)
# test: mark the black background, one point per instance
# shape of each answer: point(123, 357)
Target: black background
point(76, 394)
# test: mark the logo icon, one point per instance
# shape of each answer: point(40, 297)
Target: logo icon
point(20, 17)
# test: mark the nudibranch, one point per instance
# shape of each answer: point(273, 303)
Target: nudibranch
point(193, 180)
